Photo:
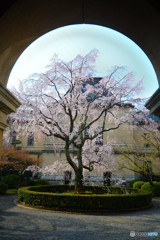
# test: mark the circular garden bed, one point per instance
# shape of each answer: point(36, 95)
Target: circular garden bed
point(94, 199)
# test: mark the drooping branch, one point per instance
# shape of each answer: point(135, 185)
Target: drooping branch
point(66, 101)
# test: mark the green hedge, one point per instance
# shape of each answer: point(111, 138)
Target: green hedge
point(138, 184)
point(155, 189)
point(40, 197)
point(40, 182)
point(132, 182)
point(3, 187)
point(93, 189)
point(12, 180)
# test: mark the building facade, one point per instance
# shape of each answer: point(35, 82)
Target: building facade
point(53, 154)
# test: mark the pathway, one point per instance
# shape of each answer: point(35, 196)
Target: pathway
point(28, 224)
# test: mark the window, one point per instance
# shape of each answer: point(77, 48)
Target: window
point(30, 139)
point(86, 132)
point(13, 136)
point(146, 145)
point(99, 138)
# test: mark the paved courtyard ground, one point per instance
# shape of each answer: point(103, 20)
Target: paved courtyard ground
point(28, 224)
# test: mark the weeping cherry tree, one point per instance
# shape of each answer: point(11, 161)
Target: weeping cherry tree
point(68, 103)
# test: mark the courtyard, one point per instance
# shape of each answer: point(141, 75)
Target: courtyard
point(19, 223)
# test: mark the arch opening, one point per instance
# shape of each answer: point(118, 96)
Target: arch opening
point(68, 41)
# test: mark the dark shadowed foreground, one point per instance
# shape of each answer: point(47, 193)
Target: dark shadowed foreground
point(26, 224)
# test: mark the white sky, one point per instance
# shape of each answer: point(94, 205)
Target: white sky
point(114, 49)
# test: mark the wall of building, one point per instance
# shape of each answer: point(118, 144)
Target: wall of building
point(52, 150)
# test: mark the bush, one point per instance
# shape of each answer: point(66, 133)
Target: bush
point(27, 175)
point(12, 180)
point(138, 184)
point(155, 189)
point(3, 187)
point(81, 202)
point(132, 182)
point(30, 183)
point(41, 182)
point(25, 183)
point(156, 178)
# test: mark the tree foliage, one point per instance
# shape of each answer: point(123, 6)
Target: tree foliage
point(17, 159)
point(68, 103)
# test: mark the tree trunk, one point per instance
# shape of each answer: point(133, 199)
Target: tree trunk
point(78, 181)
point(77, 169)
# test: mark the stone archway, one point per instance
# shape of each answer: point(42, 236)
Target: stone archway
point(24, 21)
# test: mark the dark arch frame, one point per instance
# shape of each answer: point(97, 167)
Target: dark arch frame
point(22, 22)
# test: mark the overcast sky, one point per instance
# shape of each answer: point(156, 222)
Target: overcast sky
point(114, 49)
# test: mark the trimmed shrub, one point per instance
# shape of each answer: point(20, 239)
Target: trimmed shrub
point(3, 187)
point(147, 186)
point(132, 182)
point(138, 184)
point(155, 189)
point(40, 182)
point(81, 202)
point(12, 180)
point(91, 189)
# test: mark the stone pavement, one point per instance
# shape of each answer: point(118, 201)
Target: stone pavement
point(18, 223)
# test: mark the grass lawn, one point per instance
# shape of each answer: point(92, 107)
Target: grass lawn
point(12, 191)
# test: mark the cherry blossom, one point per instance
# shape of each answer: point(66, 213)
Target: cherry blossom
point(68, 103)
